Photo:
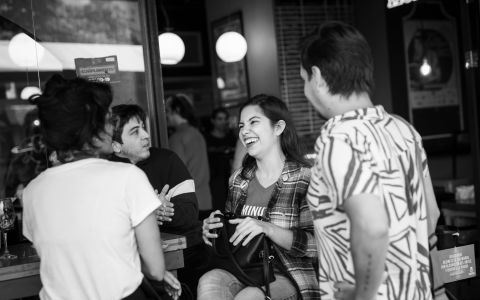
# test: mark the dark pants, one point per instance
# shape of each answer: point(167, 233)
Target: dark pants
point(197, 261)
point(138, 294)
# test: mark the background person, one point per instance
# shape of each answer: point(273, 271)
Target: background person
point(92, 236)
point(271, 184)
point(179, 215)
point(220, 147)
point(365, 194)
point(189, 144)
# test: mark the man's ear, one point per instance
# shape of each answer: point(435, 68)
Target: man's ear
point(317, 77)
point(279, 127)
point(117, 147)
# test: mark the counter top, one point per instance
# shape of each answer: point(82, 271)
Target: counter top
point(28, 263)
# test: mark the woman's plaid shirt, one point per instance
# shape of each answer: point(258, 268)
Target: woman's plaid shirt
point(288, 209)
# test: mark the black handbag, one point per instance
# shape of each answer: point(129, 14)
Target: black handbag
point(252, 264)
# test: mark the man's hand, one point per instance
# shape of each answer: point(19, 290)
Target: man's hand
point(166, 210)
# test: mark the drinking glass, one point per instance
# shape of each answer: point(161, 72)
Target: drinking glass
point(7, 219)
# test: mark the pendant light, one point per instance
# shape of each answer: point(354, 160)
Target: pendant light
point(172, 47)
point(29, 91)
point(24, 51)
point(425, 68)
point(231, 46)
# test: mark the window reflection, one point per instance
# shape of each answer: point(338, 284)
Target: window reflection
point(63, 30)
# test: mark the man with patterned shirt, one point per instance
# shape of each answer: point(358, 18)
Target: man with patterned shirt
point(366, 192)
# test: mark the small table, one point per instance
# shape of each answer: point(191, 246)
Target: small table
point(21, 277)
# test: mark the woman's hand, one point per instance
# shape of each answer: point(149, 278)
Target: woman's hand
point(247, 229)
point(209, 224)
point(166, 211)
point(173, 286)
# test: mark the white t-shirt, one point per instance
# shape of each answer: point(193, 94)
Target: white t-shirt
point(80, 217)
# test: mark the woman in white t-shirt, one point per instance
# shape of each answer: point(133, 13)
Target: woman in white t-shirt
point(91, 221)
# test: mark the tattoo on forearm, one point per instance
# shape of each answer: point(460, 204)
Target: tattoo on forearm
point(368, 272)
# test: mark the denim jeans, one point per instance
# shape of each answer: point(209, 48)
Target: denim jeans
point(219, 284)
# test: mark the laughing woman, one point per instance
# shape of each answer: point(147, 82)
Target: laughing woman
point(271, 184)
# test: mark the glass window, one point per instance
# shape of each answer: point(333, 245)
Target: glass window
point(106, 33)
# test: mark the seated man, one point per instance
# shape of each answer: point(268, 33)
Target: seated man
point(131, 143)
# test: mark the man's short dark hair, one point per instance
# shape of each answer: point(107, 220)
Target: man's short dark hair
point(180, 104)
point(121, 115)
point(343, 56)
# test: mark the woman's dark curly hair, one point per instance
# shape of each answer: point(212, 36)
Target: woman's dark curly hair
point(72, 112)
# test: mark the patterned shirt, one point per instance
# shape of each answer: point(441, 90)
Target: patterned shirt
point(368, 151)
point(287, 209)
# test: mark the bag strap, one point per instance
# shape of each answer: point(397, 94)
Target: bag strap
point(245, 277)
point(266, 270)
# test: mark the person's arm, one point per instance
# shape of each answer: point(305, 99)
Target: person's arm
point(300, 240)
point(181, 194)
point(369, 226)
point(280, 236)
point(150, 248)
point(303, 243)
point(186, 211)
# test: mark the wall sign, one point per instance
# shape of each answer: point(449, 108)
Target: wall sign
point(456, 263)
point(101, 69)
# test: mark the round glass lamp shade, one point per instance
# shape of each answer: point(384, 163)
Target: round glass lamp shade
point(231, 46)
point(172, 48)
point(24, 51)
point(29, 91)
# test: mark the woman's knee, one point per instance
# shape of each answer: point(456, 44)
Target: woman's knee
point(214, 276)
point(250, 293)
point(218, 282)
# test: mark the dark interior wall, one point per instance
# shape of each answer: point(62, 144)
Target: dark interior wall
point(186, 16)
point(371, 21)
point(259, 31)
point(449, 157)
point(192, 76)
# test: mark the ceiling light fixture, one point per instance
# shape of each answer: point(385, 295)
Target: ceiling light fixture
point(231, 46)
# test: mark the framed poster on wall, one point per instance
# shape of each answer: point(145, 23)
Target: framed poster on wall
point(433, 74)
point(231, 78)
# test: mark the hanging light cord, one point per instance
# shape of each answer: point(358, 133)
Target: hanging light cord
point(36, 44)
point(165, 15)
